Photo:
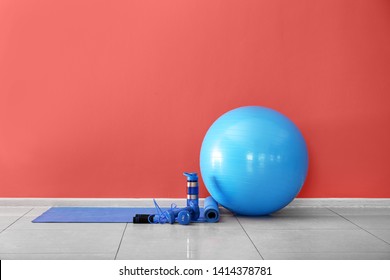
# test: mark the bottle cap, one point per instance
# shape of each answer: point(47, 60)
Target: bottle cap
point(191, 176)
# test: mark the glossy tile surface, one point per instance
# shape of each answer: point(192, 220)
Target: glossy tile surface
point(59, 241)
point(292, 233)
point(383, 234)
point(321, 241)
point(296, 222)
point(327, 256)
point(57, 256)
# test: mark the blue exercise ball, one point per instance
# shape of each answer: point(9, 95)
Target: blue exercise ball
point(253, 160)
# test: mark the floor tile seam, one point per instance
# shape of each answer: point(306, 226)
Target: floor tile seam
point(188, 259)
point(120, 242)
point(357, 229)
point(329, 252)
point(62, 225)
point(64, 228)
point(60, 252)
point(177, 251)
point(362, 228)
point(302, 229)
point(17, 220)
point(248, 228)
point(285, 215)
point(289, 216)
point(250, 239)
point(359, 207)
point(181, 231)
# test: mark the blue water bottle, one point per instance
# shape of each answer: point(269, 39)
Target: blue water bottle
point(193, 194)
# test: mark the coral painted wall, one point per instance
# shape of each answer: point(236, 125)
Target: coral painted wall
point(104, 98)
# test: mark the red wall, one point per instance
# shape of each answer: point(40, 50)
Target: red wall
point(113, 98)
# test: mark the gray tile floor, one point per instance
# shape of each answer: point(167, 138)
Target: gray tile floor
point(292, 233)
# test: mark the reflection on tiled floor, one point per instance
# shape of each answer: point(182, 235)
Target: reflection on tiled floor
point(292, 233)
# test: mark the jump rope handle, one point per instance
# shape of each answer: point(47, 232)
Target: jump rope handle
point(183, 215)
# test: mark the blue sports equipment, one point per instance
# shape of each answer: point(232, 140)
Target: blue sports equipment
point(253, 160)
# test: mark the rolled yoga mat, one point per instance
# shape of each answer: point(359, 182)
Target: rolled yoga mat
point(211, 210)
point(108, 214)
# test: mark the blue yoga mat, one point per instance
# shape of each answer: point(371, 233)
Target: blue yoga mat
point(97, 214)
point(209, 214)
